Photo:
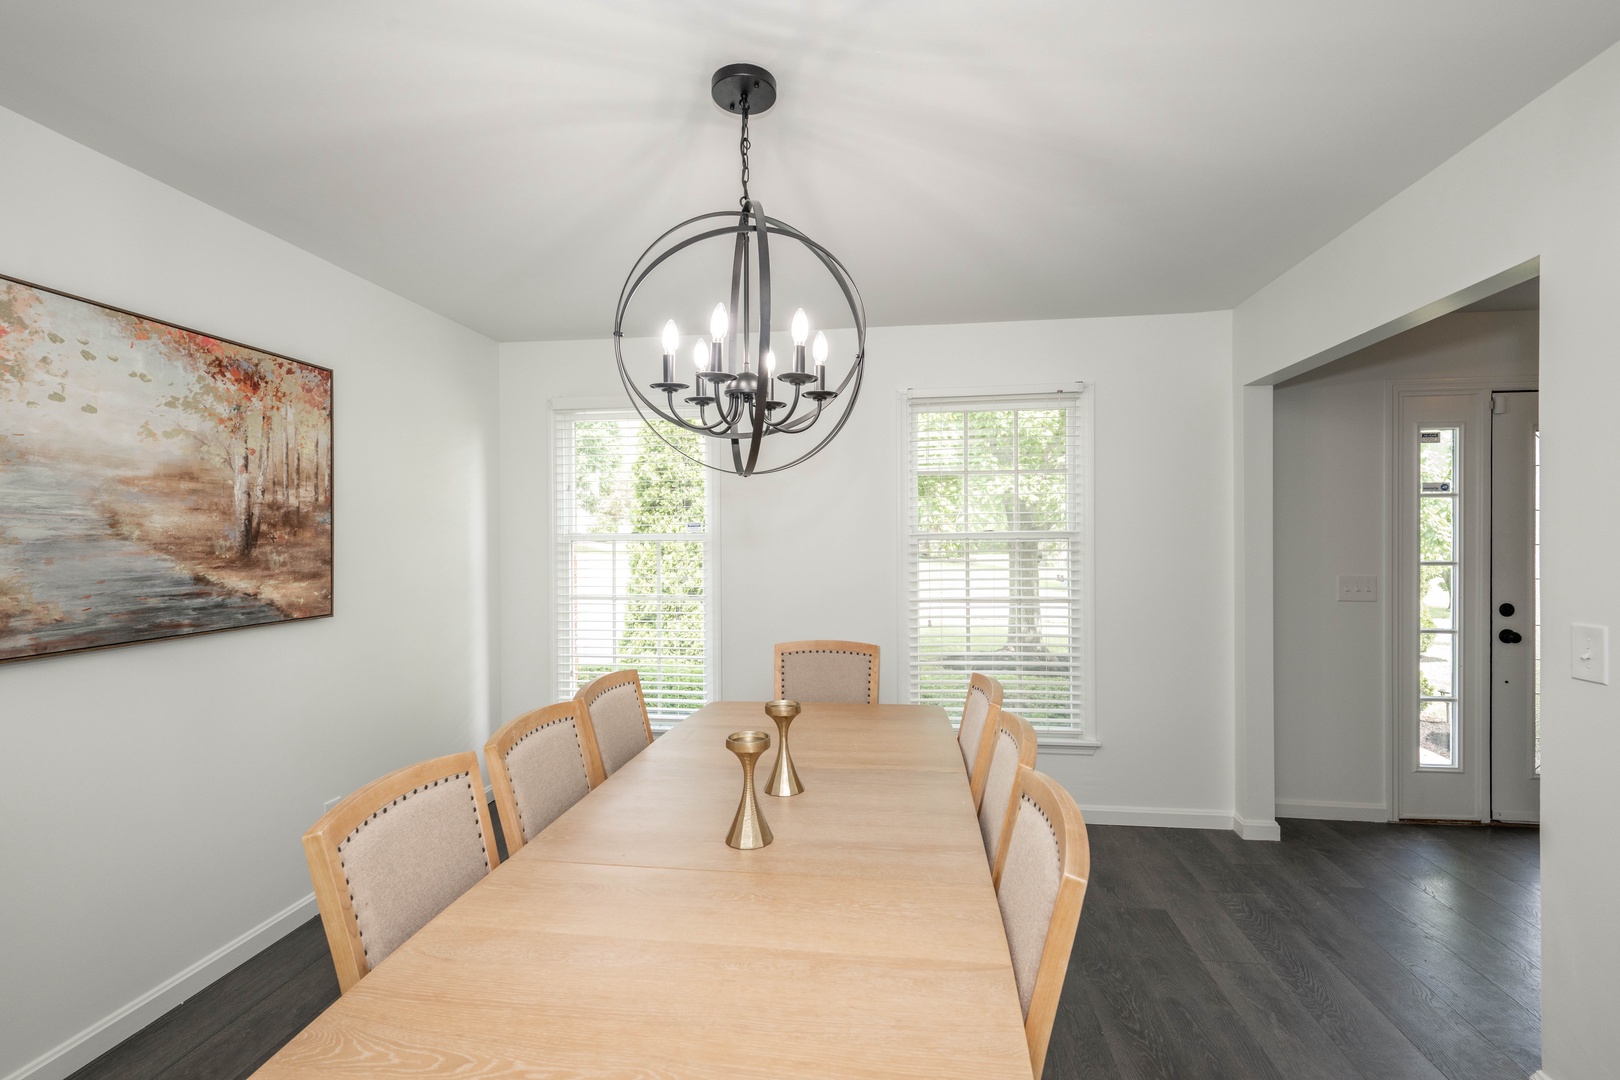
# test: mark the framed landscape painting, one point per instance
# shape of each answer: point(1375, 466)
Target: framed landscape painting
point(154, 481)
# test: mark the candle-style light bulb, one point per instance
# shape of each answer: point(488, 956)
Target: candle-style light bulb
point(801, 327)
point(770, 362)
point(820, 349)
point(700, 356)
point(672, 338)
point(717, 323)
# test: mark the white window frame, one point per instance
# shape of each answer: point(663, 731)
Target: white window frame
point(1085, 737)
point(712, 578)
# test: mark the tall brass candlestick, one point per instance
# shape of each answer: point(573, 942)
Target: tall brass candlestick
point(748, 828)
point(784, 777)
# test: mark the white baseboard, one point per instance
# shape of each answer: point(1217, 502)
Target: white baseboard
point(1333, 811)
point(1256, 830)
point(109, 1031)
point(1153, 817)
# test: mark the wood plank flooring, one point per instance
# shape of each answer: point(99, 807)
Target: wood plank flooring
point(1349, 951)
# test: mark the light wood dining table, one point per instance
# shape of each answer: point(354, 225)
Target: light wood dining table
point(628, 940)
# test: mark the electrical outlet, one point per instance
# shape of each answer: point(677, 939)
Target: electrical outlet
point(1358, 588)
point(1589, 652)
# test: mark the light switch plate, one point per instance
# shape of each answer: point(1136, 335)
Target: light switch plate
point(1358, 588)
point(1589, 652)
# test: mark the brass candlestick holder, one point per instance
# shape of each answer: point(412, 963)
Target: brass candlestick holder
point(748, 828)
point(784, 777)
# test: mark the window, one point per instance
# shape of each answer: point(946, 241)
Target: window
point(634, 559)
point(1439, 573)
point(994, 552)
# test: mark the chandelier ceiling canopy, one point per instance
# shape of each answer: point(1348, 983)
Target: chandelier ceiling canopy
point(735, 390)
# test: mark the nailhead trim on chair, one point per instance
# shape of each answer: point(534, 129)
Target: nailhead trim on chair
point(394, 802)
point(782, 675)
point(549, 723)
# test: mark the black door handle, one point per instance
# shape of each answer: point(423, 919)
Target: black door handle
point(1510, 637)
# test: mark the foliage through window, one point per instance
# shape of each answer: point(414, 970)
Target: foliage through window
point(994, 548)
point(1439, 570)
point(633, 557)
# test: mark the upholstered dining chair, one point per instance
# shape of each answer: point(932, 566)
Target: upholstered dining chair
point(614, 714)
point(838, 671)
point(976, 736)
point(394, 854)
point(539, 767)
point(1013, 747)
point(1041, 878)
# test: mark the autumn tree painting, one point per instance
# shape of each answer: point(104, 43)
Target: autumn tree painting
point(153, 481)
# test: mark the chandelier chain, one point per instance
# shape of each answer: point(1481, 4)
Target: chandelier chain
point(743, 146)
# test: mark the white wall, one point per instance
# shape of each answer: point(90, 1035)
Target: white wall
point(154, 795)
point(1332, 467)
point(814, 552)
point(1543, 183)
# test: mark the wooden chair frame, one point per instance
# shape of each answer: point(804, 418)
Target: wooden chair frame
point(589, 693)
point(987, 737)
point(501, 743)
point(1028, 746)
point(1074, 861)
point(784, 648)
point(326, 868)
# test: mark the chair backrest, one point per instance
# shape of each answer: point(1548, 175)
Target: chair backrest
point(1012, 746)
point(539, 767)
point(837, 671)
point(614, 715)
point(394, 854)
point(976, 735)
point(1040, 885)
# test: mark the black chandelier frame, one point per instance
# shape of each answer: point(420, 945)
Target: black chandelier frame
point(742, 399)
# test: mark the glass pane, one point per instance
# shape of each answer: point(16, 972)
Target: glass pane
point(992, 502)
point(1043, 501)
point(1434, 529)
point(939, 503)
point(939, 441)
point(1437, 460)
point(1436, 665)
point(990, 441)
point(1043, 439)
point(1538, 602)
point(1434, 598)
point(1436, 733)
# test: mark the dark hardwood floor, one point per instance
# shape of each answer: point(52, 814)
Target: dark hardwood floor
point(1347, 952)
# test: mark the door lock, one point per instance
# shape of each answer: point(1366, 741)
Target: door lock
point(1510, 637)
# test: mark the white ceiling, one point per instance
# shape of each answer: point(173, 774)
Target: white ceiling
point(502, 162)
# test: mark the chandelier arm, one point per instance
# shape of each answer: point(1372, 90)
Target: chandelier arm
point(698, 428)
point(843, 418)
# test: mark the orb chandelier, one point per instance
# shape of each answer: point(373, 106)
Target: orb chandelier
point(734, 389)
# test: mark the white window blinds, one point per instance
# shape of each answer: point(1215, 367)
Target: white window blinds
point(994, 553)
point(633, 559)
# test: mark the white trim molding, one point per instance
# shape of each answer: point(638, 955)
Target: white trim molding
point(1155, 817)
point(77, 1052)
point(1332, 811)
point(1541, 1074)
point(1256, 830)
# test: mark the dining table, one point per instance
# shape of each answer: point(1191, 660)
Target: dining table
point(628, 939)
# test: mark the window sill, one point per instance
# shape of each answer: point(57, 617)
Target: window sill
point(1069, 747)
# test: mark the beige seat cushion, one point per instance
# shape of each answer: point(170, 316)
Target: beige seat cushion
point(547, 769)
point(973, 716)
point(842, 677)
point(1029, 886)
point(621, 726)
point(998, 789)
point(411, 859)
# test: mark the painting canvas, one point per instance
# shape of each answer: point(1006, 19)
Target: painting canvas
point(154, 481)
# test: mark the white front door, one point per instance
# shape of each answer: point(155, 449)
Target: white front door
point(1441, 579)
point(1515, 609)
